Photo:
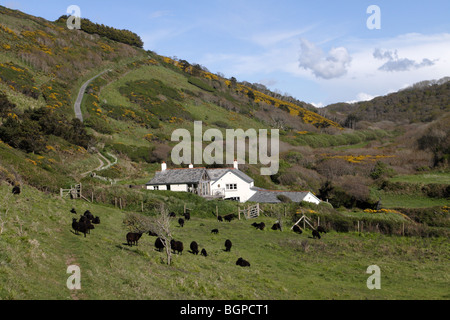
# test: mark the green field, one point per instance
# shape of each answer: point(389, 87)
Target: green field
point(425, 178)
point(390, 200)
point(37, 245)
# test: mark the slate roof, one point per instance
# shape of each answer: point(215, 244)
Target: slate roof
point(269, 196)
point(216, 174)
point(178, 176)
point(188, 176)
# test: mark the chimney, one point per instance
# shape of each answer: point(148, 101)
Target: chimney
point(163, 166)
point(191, 166)
point(236, 165)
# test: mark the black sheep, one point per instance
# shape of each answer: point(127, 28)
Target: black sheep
point(259, 226)
point(243, 263)
point(181, 222)
point(82, 227)
point(96, 220)
point(187, 216)
point(177, 246)
point(89, 226)
point(220, 219)
point(133, 238)
point(297, 229)
point(215, 231)
point(276, 226)
point(204, 253)
point(194, 247)
point(89, 215)
point(73, 211)
point(229, 217)
point(172, 215)
point(316, 234)
point(152, 233)
point(75, 226)
point(321, 229)
point(16, 190)
point(228, 245)
point(159, 244)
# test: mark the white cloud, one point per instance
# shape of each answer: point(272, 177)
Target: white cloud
point(395, 63)
point(362, 96)
point(334, 65)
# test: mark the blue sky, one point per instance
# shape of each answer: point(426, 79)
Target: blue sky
point(320, 52)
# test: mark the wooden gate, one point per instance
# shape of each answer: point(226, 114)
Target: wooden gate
point(251, 212)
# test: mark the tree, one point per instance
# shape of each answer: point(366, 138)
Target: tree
point(6, 107)
point(163, 231)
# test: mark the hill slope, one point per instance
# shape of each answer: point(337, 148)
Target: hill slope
point(424, 102)
point(37, 246)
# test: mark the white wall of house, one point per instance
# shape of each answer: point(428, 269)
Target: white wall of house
point(242, 191)
point(162, 188)
point(179, 187)
point(312, 198)
point(173, 187)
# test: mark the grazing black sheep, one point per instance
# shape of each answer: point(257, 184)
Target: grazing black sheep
point(220, 219)
point(204, 253)
point(316, 234)
point(89, 226)
point(96, 220)
point(215, 231)
point(89, 215)
point(152, 233)
point(82, 227)
point(177, 246)
point(321, 229)
point(181, 222)
point(83, 219)
point(194, 247)
point(259, 226)
point(276, 226)
point(243, 263)
point(187, 216)
point(73, 211)
point(16, 190)
point(133, 238)
point(159, 244)
point(172, 215)
point(228, 245)
point(75, 226)
point(297, 229)
point(229, 217)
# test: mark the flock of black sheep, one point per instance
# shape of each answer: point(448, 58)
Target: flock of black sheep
point(87, 221)
point(85, 224)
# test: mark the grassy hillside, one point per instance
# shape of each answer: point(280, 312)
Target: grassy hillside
point(37, 247)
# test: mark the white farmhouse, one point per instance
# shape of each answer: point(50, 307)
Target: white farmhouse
point(225, 183)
